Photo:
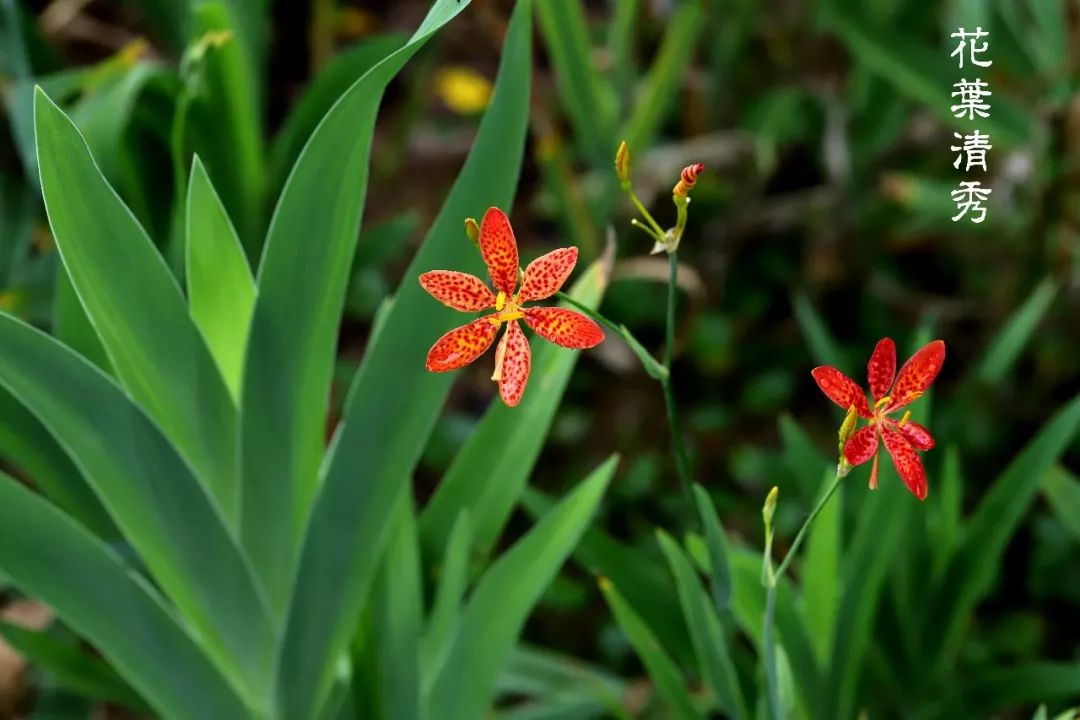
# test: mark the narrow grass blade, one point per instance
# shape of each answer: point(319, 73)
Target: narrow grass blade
point(53, 559)
point(990, 692)
point(399, 611)
point(592, 112)
point(136, 306)
point(545, 675)
point(823, 346)
point(73, 667)
point(1062, 491)
point(988, 531)
point(221, 291)
point(946, 524)
point(149, 491)
point(706, 632)
point(867, 563)
point(492, 468)
point(665, 76)
point(643, 579)
point(662, 669)
point(1019, 329)
point(821, 569)
point(294, 329)
point(452, 580)
point(716, 542)
point(504, 598)
point(393, 403)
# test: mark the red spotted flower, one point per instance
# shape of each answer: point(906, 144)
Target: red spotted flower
point(468, 293)
point(902, 437)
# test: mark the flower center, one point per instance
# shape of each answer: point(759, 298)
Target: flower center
point(506, 309)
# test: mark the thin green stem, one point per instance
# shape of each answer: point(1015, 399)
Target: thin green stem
point(678, 447)
point(772, 582)
point(645, 214)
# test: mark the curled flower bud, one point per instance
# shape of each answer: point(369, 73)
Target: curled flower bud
point(622, 163)
point(769, 509)
point(472, 229)
point(687, 179)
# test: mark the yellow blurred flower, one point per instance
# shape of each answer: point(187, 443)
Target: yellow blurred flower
point(462, 89)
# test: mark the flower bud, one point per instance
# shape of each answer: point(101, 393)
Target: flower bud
point(622, 163)
point(472, 229)
point(769, 509)
point(687, 180)
point(847, 428)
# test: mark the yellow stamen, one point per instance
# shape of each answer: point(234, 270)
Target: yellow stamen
point(882, 402)
point(500, 301)
point(903, 420)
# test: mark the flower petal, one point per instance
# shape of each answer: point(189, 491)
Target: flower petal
point(907, 462)
point(547, 273)
point(458, 290)
point(917, 374)
point(513, 364)
point(841, 389)
point(881, 370)
point(917, 435)
point(462, 345)
point(564, 327)
point(861, 446)
point(499, 249)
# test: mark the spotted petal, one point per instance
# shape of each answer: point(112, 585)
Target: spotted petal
point(462, 345)
point(841, 389)
point(547, 273)
point(907, 462)
point(513, 361)
point(564, 327)
point(881, 370)
point(861, 446)
point(917, 374)
point(499, 249)
point(458, 290)
point(917, 435)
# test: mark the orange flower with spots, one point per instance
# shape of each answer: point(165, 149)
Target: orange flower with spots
point(902, 438)
point(468, 293)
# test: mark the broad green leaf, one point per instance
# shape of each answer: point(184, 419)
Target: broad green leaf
point(662, 669)
point(320, 95)
point(1062, 491)
point(948, 510)
point(504, 597)
point(72, 666)
point(149, 491)
point(492, 468)
point(452, 580)
point(26, 444)
point(584, 94)
point(399, 611)
point(823, 347)
point(988, 531)
point(716, 542)
point(221, 291)
point(643, 579)
point(224, 123)
point(866, 564)
point(290, 358)
point(1017, 332)
point(621, 36)
point(706, 631)
point(72, 327)
point(803, 457)
point(665, 77)
point(393, 403)
point(136, 306)
point(821, 568)
point(53, 559)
